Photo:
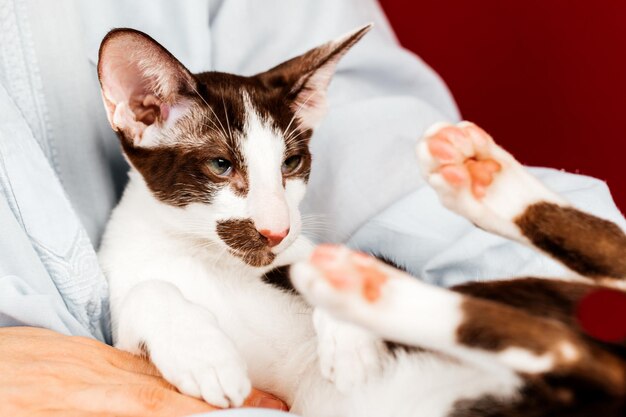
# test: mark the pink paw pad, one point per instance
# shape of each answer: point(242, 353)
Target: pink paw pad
point(325, 255)
point(481, 174)
point(442, 149)
point(454, 174)
point(478, 136)
point(344, 269)
point(463, 153)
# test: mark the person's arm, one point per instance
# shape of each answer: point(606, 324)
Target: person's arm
point(43, 373)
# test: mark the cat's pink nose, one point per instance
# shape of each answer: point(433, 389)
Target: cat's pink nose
point(273, 238)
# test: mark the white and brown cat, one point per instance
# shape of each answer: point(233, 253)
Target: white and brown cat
point(197, 257)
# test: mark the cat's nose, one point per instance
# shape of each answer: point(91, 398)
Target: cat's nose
point(273, 237)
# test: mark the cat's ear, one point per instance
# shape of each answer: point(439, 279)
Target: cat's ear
point(144, 88)
point(305, 78)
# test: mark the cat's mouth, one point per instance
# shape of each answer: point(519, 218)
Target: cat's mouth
point(246, 243)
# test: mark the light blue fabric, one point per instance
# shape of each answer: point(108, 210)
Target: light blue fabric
point(61, 170)
point(42, 238)
point(49, 274)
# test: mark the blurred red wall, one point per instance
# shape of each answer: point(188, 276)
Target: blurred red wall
point(546, 77)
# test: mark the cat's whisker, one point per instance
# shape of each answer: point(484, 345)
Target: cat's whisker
point(315, 220)
point(230, 133)
point(286, 133)
point(315, 223)
point(213, 127)
point(219, 121)
point(316, 226)
point(210, 108)
point(220, 256)
point(290, 140)
point(317, 232)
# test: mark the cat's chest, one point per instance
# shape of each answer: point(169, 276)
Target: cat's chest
point(248, 309)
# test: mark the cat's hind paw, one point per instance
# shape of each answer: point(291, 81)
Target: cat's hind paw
point(476, 178)
point(349, 285)
point(338, 280)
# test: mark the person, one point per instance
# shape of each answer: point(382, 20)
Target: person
point(44, 373)
point(61, 173)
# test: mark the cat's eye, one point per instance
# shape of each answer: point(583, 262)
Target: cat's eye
point(291, 164)
point(220, 166)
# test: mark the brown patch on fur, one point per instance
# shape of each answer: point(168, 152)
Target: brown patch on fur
point(495, 327)
point(245, 242)
point(279, 278)
point(175, 175)
point(540, 297)
point(539, 399)
point(545, 298)
point(589, 245)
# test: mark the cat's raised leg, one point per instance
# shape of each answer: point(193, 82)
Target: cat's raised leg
point(184, 342)
point(479, 180)
point(397, 307)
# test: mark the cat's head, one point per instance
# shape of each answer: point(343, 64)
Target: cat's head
point(225, 156)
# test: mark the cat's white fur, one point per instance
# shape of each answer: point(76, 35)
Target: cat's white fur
point(269, 205)
point(213, 326)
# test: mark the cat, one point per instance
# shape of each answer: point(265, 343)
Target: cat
point(204, 246)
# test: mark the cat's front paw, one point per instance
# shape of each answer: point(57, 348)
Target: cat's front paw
point(348, 355)
point(202, 362)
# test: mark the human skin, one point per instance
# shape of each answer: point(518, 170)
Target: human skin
point(43, 373)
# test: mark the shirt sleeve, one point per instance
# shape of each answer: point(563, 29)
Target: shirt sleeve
point(49, 274)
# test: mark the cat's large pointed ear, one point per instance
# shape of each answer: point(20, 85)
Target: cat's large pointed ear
point(305, 78)
point(143, 86)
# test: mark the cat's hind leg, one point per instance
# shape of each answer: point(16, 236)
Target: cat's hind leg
point(476, 178)
point(479, 180)
point(399, 308)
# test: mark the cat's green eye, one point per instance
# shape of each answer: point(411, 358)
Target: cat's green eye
point(220, 166)
point(291, 164)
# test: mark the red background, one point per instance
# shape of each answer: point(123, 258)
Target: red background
point(546, 77)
